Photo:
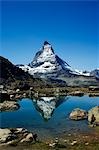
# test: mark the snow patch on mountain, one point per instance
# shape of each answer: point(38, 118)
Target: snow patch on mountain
point(84, 73)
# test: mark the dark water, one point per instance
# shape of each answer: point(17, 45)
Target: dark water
point(49, 116)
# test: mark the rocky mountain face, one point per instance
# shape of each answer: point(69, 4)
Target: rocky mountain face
point(10, 72)
point(47, 64)
point(13, 76)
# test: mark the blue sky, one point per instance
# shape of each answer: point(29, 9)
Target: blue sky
point(70, 26)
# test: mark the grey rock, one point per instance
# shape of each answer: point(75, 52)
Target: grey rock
point(9, 105)
point(77, 93)
point(28, 138)
point(4, 135)
point(15, 136)
point(93, 115)
point(78, 114)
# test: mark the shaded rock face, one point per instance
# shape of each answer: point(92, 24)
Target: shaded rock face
point(17, 135)
point(11, 72)
point(9, 106)
point(14, 77)
point(78, 114)
point(93, 115)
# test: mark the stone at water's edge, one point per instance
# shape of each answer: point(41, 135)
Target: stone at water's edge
point(9, 105)
point(4, 135)
point(77, 93)
point(78, 114)
point(95, 113)
point(8, 136)
point(28, 138)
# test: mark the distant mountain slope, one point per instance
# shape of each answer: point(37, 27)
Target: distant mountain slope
point(95, 73)
point(11, 72)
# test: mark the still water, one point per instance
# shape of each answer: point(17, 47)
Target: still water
point(49, 116)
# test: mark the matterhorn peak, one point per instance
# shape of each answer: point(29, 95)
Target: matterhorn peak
point(47, 63)
point(46, 43)
point(47, 47)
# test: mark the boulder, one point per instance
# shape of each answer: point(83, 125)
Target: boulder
point(20, 131)
point(31, 88)
point(17, 90)
point(28, 138)
point(15, 136)
point(74, 142)
point(78, 114)
point(93, 115)
point(24, 94)
point(18, 96)
point(10, 91)
point(77, 93)
point(11, 96)
point(5, 135)
point(93, 94)
point(93, 88)
point(9, 105)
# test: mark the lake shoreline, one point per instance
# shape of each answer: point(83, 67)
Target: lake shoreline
point(73, 141)
point(16, 94)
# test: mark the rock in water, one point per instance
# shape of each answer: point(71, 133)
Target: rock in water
point(9, 105)
point(78, 114)
point(93, 115)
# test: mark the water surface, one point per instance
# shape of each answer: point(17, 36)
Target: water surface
point(49, 116)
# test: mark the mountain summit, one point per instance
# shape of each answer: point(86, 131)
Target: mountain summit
point(46, 62)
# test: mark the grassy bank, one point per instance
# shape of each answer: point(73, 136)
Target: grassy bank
point(67, 142)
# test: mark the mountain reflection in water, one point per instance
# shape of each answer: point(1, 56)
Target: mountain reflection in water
point(33, 113)
point(46, 105)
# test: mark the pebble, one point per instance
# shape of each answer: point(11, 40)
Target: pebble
point(87, 143)
point(73, 143)
point(52, 144)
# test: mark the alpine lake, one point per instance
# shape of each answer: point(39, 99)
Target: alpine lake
point(49, 116)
